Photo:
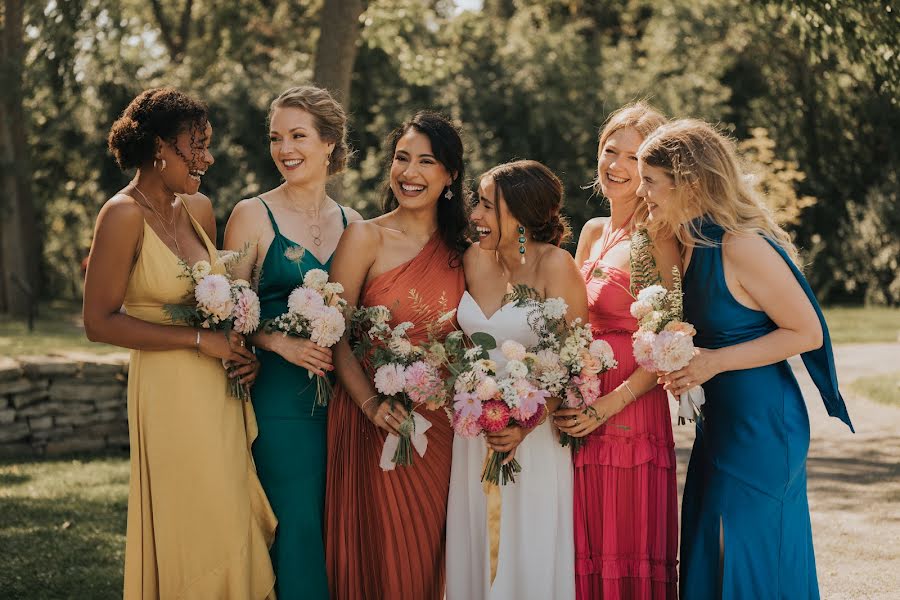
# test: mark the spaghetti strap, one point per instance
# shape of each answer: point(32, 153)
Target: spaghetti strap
point(343, 216)
point(271, 216)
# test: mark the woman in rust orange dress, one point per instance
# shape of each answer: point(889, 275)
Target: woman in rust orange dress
point(385, 530)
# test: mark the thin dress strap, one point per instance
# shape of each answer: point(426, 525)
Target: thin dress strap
point(271, 217)
point(343, 216)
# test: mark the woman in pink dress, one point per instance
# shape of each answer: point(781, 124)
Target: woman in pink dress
point(626, 519)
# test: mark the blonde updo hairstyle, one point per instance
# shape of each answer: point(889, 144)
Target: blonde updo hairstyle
point(709, 180)
point(328, 115)
point(639, 116)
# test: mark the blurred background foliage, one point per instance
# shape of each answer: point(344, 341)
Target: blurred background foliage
point(809, 90)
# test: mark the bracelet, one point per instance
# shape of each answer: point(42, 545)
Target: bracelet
point(362, 406)
point(633, 397)
point(197, 343)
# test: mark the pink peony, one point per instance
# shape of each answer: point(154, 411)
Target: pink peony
point(643, 349)
point(680, 327)
point(390, 379)
point(246, 311)
point(672, 351)
point(494, 416)
point(422, 382)
point(467, 404)
point(466, 425)
point(583, 391)
point(486, 388)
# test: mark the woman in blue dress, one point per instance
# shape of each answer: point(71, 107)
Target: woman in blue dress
point(286, 233)
point(745, 518)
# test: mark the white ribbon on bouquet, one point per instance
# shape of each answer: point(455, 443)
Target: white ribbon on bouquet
point(419, 442)
point(689, 404)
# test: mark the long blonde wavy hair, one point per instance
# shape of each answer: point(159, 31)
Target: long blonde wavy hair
point(709, 181)
point(641, 117)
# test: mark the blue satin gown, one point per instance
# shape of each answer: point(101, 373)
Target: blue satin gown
point(746, 480)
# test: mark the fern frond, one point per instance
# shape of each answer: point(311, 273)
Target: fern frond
point(644, 271)
point(522, 295)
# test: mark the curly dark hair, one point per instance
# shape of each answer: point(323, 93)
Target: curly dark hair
point(534, 196)
point(158, 112)
point(447, 146)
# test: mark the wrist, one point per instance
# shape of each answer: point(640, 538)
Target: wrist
point(717, 361)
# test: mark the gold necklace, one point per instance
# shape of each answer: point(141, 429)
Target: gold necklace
point(162, 222)
point(314, 230)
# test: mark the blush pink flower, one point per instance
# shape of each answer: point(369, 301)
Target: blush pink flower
point(422, 382)
point(494, 416)
point(466, 425)
point(305, 302)
point(680, 327)
point(246, 311)
point(534, 419)
point(467, 404)
point(213, 294)
point(643, 349)
point(390, 379)
point(486, 388)
point(672, 351)
point(328, 326)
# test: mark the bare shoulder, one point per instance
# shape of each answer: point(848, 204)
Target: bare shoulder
point(593, 228)
point(121, 211)
point(555, 258)
point(351, 214)
point(199, 204)
point(361, 234)
point(747, 248)
point(666, 250)
point(248, 209)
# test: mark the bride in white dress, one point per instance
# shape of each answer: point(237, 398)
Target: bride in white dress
point(519, 228)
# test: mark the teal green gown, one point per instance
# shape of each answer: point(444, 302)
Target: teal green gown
point(290, 449)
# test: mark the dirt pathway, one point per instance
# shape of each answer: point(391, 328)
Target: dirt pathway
point(854, 480)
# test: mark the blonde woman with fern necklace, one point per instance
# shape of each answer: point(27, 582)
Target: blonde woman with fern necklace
point(625, 509)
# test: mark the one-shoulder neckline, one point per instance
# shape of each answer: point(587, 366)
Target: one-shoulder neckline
point(404, 264)
point(481, 310)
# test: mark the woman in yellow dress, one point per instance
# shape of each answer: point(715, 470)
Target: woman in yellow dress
point(199, 524)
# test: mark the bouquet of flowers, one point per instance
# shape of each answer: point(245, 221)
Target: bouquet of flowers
point(404, 373)
point(315, 312)
point(568, 361)
point(664, 342)
point(487, 399)
point(219, 303)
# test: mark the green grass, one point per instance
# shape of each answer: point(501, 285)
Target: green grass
point(58, 327)
point(858, 325)
point(63, 527)
point(881, 388)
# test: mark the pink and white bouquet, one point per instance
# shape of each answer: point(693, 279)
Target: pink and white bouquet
point(487, 399)
point(315, 311)
point(219, 303)
point(404, 373)
point(568, 361)
point(664, 342)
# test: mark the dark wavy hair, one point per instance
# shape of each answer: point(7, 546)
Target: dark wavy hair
point(158, 112)
point(534, 196)
point(447, 147)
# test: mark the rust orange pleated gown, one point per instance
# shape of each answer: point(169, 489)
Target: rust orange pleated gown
point(385, 531)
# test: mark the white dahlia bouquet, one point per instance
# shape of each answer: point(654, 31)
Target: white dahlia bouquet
point(405, 373)
point(219, 303)
point(315, 311)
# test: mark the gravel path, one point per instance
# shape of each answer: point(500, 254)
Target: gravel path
point(854, 480)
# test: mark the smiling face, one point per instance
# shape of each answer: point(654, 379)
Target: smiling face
point(617, 164)
point(187, 159)
point(491, 217)
point(296, 147)
point(417, 178)
point(658, 191)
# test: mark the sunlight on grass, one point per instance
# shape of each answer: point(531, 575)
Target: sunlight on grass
point(881, 388)
point(57, 328)
point(63, 527)
point(857, 325)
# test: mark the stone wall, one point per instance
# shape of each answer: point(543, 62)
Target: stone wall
point(71, 402)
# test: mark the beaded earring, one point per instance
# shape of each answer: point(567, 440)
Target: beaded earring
point(522, 241)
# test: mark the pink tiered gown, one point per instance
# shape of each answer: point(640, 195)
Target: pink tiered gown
point(626, 506)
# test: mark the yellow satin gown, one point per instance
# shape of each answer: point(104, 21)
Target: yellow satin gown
point(199, 524)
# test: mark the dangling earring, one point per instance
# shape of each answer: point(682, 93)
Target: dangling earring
point(522, 241)
point(327, 160)
point(448, 194)
point(162, 164)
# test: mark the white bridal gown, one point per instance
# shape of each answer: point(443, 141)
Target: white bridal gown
point(536, 559)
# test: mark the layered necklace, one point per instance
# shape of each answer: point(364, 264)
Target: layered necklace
point(173, 222)
point(313, 228)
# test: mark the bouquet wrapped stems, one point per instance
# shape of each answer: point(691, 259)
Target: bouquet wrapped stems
point(495, 470)
point(403, 456)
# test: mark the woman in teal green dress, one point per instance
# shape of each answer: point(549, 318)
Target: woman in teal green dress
point(745, 524)
point(286, 232)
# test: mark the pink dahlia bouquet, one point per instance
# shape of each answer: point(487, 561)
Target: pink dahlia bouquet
point(219, 303)
point(487, 399)
point(567, 360)
point(663, 341)
point(315, 312)
point(404, 373)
